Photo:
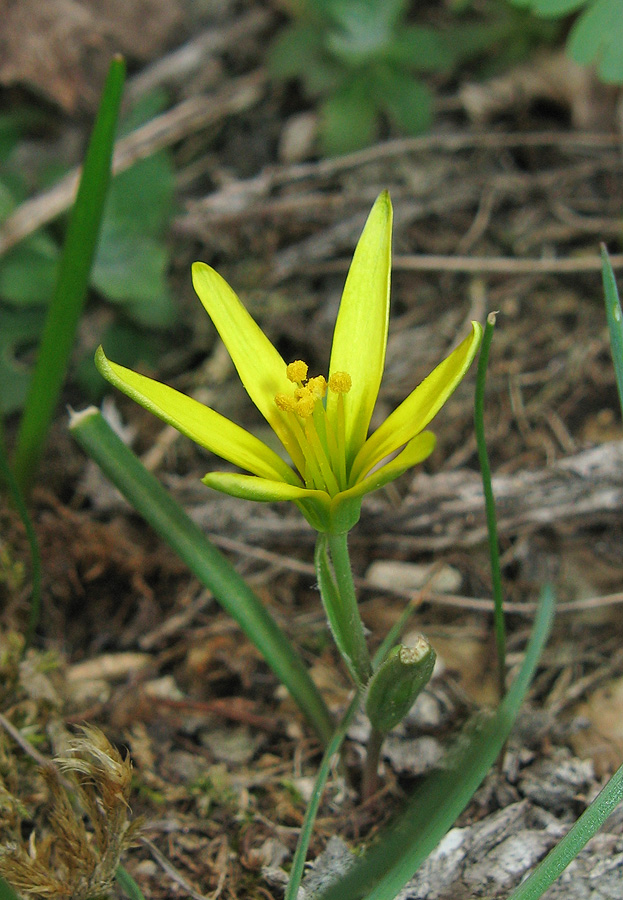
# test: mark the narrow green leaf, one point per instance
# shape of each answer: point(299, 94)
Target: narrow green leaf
point(149, 498)
point(127, 884)
point(568, 848)
point(614, 317)
point(333, 747)
point(68, 300)
point(383, 870)
point(492, 527)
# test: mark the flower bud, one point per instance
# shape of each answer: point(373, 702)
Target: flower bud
point(396, 684)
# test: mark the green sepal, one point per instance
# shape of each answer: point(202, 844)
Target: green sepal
point(397, 683)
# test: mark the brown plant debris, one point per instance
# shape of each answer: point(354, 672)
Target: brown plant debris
point(70, 858)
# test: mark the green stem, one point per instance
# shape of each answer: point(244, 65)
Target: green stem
point(370, 775)
point(333, 747)
point(337, 589)
point(492, 528)
point(150, 499)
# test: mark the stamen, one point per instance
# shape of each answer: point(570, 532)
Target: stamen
point(318, 386)
point(330, 481)
point(312, 474)
point(340, 383)
point(305, 402)
point(297, 371)
point(285, 403)
point(322, 442)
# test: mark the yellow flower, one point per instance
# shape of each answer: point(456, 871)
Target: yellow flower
point(322, 424)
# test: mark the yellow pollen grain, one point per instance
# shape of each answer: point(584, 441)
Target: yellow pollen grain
point(285, 403)
point(297, 371)
point(340, 383)
point(318, 386)
point(305, 405)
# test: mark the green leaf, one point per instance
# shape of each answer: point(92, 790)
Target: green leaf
point(19, 332)
point(331, 750)
point(614, 317)
point(75, 267)
point(9, 135)
point(348, 119)
point(576, 838)
point(597, 37)
point(131, 345)
point(362, 29)
point(127, 884)
point(141, 198)
point(131, 268)
point(407, 101)
point(404, 845)
point(28, 272)
point(420, 50)
point(295, 50)
point(551, 8)
point(359, 16)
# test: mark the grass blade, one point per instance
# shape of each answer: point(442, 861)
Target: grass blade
point(492, 527)
point(127, 884)
point(150, 499)
point(7, 476)
point(71, 286)
point(435, 806)
point(333, 747)
point(568, 848)
point(615, 319)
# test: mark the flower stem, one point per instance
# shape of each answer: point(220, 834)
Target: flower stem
point(370, 775)
point(337, 589)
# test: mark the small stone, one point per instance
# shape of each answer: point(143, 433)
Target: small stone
point(405, 577)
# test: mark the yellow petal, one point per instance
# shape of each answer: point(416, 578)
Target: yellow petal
point(263, 489)
point(360, 336)
point(198, 422)
point(417, 450)
point(419, 408)
point(260, 366)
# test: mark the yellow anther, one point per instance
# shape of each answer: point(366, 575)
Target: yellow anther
point(340, 383)
point(318, 386)
point(297, 371)
point(285, 403)
point(305, 403)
